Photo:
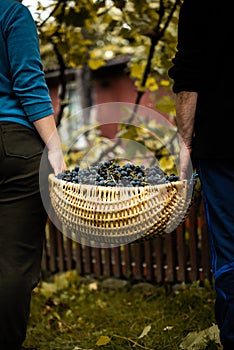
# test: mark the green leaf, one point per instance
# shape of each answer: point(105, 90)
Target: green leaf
point(131, 149)
point(103, 340)
point(166, 104)
point(48, 289)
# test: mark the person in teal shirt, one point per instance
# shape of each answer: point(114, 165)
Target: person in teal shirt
point(24, 94)
point(27, 130)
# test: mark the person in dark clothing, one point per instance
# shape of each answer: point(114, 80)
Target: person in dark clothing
point(27, 127)
point(202, 74)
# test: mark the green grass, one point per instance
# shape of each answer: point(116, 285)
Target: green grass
point(74, 313)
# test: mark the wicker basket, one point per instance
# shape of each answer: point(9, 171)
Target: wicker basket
point(118, 215)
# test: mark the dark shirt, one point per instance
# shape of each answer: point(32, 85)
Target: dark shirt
point(204, 63)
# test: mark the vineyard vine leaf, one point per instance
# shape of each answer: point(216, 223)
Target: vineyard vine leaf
point(167, 163)
point(131, 149)
point(96, 63)
point(128, 132)
point(166, 104)
point(103, 340)
point(151, 84)
point(145, 331)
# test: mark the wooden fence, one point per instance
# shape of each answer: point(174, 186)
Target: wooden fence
point(180, 256)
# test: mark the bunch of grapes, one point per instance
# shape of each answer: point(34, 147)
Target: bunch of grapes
point(110, 173)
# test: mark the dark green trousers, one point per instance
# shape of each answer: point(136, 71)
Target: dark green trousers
point(22, 226)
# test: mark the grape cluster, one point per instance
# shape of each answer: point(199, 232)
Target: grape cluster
point(110, 173)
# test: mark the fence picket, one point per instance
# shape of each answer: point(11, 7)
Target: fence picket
point(180, 256)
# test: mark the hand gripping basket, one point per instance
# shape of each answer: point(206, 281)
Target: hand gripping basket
point(119, 215)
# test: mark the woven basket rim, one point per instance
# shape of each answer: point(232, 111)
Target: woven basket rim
point(177, 183)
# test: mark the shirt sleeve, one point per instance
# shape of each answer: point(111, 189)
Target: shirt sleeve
point(28, 80)
point(186, 70)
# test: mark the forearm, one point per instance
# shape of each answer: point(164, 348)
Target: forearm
point(186, 102)
point(47, 130)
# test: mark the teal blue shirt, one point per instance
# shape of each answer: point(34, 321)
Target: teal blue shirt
point(24, 95)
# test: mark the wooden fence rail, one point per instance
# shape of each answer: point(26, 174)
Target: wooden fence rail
point(180, 256)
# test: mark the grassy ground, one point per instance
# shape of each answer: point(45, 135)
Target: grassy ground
point(74, 313)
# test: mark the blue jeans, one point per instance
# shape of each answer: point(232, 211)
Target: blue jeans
point(217, 179)
point(22, 227)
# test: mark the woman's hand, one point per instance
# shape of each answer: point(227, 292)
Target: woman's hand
point(47, 130)
point(56, 160)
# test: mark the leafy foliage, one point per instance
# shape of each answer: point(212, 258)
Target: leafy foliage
point(95, 31)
